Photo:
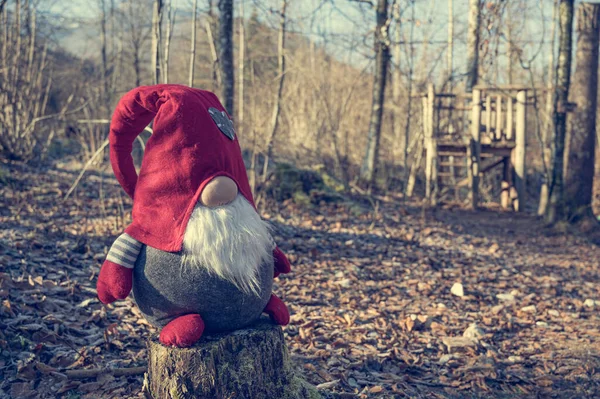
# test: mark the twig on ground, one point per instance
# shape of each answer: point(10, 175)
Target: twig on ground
point(91, 373)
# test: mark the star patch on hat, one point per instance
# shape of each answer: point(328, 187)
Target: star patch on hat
point(223, 122)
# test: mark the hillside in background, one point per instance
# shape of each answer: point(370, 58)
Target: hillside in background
point(325, 102)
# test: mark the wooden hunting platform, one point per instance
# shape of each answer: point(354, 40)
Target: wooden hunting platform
point(469, 134)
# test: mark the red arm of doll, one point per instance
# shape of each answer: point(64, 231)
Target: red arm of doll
point(282, 264)
point(114, 282)
point(116, 276)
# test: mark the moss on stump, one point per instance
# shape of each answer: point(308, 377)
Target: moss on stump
point(251, 363)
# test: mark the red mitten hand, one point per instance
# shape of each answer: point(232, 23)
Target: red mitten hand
point(277, 310)
point(282, 264)
point(114, 282)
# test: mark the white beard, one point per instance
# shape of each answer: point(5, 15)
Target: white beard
point(230, 241)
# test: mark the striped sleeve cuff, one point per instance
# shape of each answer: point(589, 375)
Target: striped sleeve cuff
point(124, 251)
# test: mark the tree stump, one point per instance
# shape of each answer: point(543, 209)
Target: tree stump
point(252, 363)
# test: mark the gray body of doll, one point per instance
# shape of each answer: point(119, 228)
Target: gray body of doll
point(164, 289)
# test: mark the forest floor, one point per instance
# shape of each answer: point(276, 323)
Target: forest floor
point(377, 310)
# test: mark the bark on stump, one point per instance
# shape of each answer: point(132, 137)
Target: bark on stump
point(252, 363)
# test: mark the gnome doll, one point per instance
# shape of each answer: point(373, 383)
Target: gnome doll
point(197, 255)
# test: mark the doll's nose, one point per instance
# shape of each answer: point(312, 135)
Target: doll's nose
point(219, 191)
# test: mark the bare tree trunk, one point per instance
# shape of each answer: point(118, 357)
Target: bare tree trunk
point(547, 131)
point(281, 72)
point(556, 208)
point(214, 55)
point(252, 175)
point(226, 53)
point(408, 174)
point(167, 44)
point(193, 45)
point(450, 55)
point(509, 39)
point(104, 50)
point(114, 51)
point(156, 40)
point(32, 34)
point(579, 179)
point(473, 43)
point(397, 117)
point(17, 55)
point(450, 80)
point(368, 170)
point(137, 69)
point(138, 35)
point(211, 27)
point(241, 60)
point(414, 167)
point(117, 74)
point(4, 25)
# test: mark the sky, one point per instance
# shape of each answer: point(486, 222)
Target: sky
point(345, 24)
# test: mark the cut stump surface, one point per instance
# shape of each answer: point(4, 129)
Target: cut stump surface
point(252, 363)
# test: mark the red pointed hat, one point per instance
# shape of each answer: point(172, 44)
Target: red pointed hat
point(193, 141)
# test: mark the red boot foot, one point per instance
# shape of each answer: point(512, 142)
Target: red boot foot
point(182, 332)
point(277, 311)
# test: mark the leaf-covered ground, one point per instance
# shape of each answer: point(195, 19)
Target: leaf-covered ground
point(375, 294)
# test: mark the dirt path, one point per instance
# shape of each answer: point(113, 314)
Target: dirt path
point(374, 315)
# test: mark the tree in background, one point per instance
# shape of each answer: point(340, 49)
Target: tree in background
point(156, 41)
point(581, 139)
point(171, 15)
point(382, 51)
point(226, 53)
point(281, 72)
point(241, 65)
point(312, 100)
point(556, 208)
point(211, 25)
point(547, 131)
point(104, 50)
point(27, 69)
point(193, 44)
point(136, 21)
point(473, 43)
point(450, 50)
